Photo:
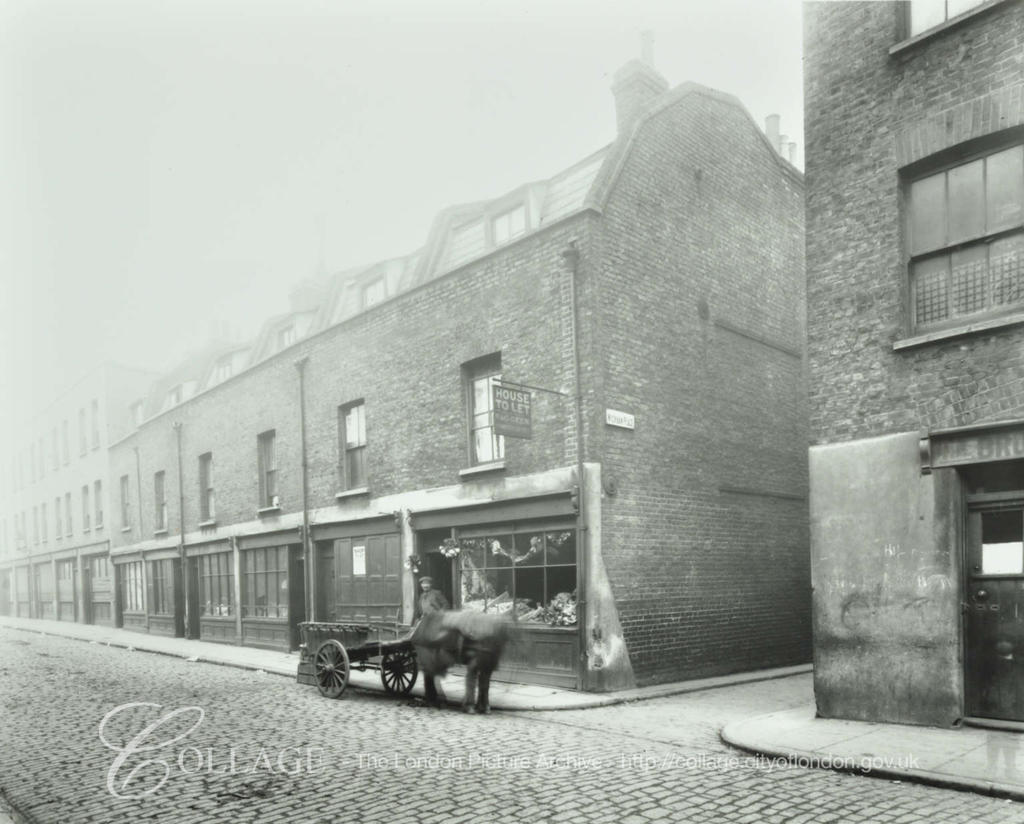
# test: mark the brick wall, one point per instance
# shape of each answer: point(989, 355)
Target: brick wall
point(403, 358)
point(869, 113)
point(699, 316)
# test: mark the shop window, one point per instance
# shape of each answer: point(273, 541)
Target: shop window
point(162, 581)
point(132, 587)
point(965, 230)
point(217, 585)
point(265, 579)
point(44, 588)
point(352, 437)
point(485, 446)
point(267, 460)
point(530, 574)
point(207, 506)
point(159, 502)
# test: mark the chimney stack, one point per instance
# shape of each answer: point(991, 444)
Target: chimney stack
point(636, 85)
point(771, 130)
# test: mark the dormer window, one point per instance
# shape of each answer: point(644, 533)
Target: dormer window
point(224, 369)
point(175, 395)
point(286, 336)
point(509, 225)
point(374, 292)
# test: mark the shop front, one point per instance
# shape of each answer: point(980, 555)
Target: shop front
point(989, 462)
point(272, 590)
point(918, 573)
point(514, 558)
point(213, 592)
point(98, 595)
point(23, 591)
point(130, 581)
point(67, 588)
point(43, 583)
point(359, 572)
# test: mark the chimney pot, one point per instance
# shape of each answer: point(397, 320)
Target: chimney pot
point(647, 47)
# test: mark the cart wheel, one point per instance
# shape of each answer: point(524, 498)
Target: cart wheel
point(398, 671)
point(331, 668)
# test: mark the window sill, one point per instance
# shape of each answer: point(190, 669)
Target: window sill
point(352, 493)
point(159, 533)
point(959, 331)
point(268, 510)
point(126, 529)
point(482, 469)
point(942, 28)
point(211, 523)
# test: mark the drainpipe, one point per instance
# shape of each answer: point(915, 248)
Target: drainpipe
point(181, 539)
point(307, 555)
point(572, 258)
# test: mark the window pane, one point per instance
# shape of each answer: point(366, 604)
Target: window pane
point(561, 547)
point(1004, 181)
point(928, 214)
point(970, 281)
point(529, 590)
point(966, 202)
point(483, 445)
point(931, 290)
point(1002, 543)
point(1006, 270)
point(926, 13)
point(481, 395)
point(955, 7)
point(356, 459)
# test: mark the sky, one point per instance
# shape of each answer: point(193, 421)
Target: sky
point(170, 170)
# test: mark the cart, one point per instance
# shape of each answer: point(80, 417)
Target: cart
point(329, 651)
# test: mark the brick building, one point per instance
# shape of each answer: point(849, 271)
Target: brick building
point(915, 212)
point(646, 303)
point(54, 489)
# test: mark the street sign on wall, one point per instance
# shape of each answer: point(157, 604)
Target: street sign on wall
point(512, 414)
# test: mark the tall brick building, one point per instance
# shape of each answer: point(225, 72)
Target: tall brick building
point(54, 501)
point(646, 303)
point(915, 237)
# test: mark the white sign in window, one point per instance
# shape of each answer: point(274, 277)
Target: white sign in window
point(359, 560)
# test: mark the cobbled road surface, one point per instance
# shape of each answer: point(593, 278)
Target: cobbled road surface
point(227, 745)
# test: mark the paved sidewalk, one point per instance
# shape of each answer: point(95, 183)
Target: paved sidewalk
point(977, 759)
point(504, 695)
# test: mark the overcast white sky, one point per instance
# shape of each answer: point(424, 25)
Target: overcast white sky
point(168, 170)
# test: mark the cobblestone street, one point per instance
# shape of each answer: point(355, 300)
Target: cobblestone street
point(265, 749)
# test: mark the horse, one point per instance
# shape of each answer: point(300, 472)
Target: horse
point(473, 639)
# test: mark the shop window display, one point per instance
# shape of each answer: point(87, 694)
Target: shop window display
point(530, 575)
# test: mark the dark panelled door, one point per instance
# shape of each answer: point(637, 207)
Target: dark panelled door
point(994, 612)
point(369, 578)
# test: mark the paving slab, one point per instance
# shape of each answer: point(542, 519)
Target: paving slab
point(980, 760)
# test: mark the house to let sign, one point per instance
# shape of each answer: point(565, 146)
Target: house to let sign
point(512, 416)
